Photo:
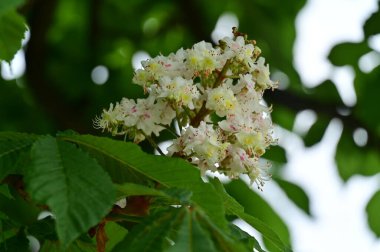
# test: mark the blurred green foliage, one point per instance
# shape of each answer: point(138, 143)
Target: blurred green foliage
point(70, 38)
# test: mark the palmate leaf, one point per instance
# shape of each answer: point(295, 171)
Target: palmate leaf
point(150, 235)
point(72, 184)
point(169, 172)
point(184, 229)
point(13, 144)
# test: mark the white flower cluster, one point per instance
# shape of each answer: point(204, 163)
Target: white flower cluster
point(215, 95)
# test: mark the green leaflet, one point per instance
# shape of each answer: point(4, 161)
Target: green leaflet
point(176, 195)
point(43, 229)
point(18, 209)
point(73, 185)
point(191, 237)
point(115, 234)
point(130, 189)
point(348, 53)
point(245, 238)
point(77, 246)
point(19, 242)
point(169, 172)
point(12, 145)
point(362, 160)
point(296, 194)
point(7, 5)
point(233, 207)
point(276, 153)
point(372, 210)
point(316, 131)
point(222, 240)
point(12, 29)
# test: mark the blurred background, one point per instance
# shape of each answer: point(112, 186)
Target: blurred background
point(79, 56)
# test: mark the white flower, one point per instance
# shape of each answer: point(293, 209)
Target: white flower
point(203, 57)
point(252, 141)
point(110, 119)
point(239, 49)
point(148, 116)
point(222, 100)
point(180, 90)
point(143, 77)
point(261, 74)
point(202, 142)
point(239, 162)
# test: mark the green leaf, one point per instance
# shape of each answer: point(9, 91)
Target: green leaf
point(223, 241)
point(373, 216)
point(115, 234)
point(73, 185)
point(77, 246)
point(266, 231)
point(18, 209)
point(245, 238)
point(371, 26)
point(12, 30)
point(169, 172)
point(150, 235)
point(51, 246)
point(276, 154)
point(316, 132)
point(284, 117)
point(233, 207)
point(130, 189)
point(191, 236)
point(179, 194)
point(12, 145)
point(43, 229)
point(178, 229)
point(367, 87)
point(7, 5)
point(348, 53)
point(4, 190)
point(17, 243)
point(260, 216)
point(296, 194)
point(360, 160)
